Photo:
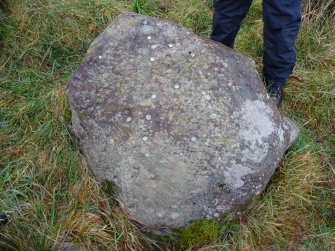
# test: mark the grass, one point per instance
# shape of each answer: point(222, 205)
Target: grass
point(47, 189)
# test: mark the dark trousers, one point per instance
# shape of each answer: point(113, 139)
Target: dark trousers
point(281, 25)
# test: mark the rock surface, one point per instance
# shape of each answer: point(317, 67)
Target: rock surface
point(181, 125)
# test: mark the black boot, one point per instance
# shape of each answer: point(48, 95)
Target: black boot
point(3, 218)
point(275, 90)
point(277, 96)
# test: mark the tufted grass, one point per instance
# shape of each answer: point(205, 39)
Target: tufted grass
point(47, 189)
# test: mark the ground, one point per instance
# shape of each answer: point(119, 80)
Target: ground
point(49, 193)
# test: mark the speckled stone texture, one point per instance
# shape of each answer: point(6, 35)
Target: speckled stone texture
point(180, 124)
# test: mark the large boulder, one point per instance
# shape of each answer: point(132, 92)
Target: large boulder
point(182, 125)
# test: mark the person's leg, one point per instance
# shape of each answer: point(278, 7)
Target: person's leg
point(227, 19)
point(281, 26)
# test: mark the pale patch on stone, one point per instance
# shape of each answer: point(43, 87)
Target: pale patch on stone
point(148, 117)
point(207, 97)
point(234, 175)
point(147, 29)
point(256, 126)
point(175, 216)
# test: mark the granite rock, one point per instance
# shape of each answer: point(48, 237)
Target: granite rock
point(182, 125)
